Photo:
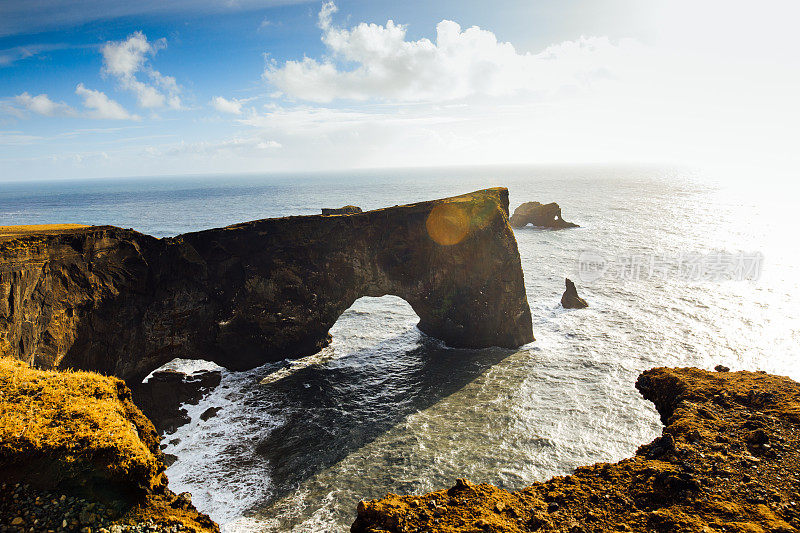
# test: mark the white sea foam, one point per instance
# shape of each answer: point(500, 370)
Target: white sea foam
point(208, 450)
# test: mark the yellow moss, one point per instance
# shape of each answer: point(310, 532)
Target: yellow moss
point(38, 228)
point(75, 418)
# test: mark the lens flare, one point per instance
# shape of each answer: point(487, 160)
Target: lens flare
point(447, 224)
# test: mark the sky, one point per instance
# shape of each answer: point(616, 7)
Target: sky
point(97, 88)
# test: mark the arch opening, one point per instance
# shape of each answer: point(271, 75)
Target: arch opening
point(372, 320)
point(371, 325)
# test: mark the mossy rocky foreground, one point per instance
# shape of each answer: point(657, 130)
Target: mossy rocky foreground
point(728, 460)
point(77, 455)
point(78, 434)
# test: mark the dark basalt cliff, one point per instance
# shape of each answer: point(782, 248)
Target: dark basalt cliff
point(124, 303)
point(538, 214)
point(728, 460)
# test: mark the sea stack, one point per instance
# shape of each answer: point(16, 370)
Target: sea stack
point(570, 298)
point(541, 215)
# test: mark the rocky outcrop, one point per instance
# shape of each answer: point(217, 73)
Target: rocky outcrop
point(346, 210)
point(728, 460)
point(123, 303)
point(161, 398)
point(79, 433)
point(542, 215)
point(570, 298)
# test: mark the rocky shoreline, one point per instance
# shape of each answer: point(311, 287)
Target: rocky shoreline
point(728, 460)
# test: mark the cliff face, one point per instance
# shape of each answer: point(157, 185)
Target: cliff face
point(78, 291)
point(728, 460)
point(123, 303)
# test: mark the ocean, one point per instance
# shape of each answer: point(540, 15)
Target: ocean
point(678, 270)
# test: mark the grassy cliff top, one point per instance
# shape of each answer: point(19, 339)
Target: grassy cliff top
point(80, 434)
point(38, 228)
point(82, 420)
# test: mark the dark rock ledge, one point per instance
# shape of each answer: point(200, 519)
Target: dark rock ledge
point(161, 397)
point(346, 210)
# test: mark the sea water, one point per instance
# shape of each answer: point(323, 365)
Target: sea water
point(679, 270)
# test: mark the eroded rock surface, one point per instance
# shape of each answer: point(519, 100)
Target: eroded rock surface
point(124, 303)
point(542, 215)
point(728, 460)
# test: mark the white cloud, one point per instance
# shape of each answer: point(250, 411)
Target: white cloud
point(125, 59)
point(460, 63)
point(252, 146)
point(15, 138)
point(42, 105)
point(9, 56)
point(326, 13)
point(101, 106)
point(223, 105)
point(697, 93)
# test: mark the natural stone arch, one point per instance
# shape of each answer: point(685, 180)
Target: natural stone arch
point(261, 291)
point(455, 261)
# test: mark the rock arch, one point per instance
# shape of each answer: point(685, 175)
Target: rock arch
point(123, 303)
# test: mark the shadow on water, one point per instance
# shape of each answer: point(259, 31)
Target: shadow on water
point(333, 409)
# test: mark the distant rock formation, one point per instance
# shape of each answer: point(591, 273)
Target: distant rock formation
point(728, 459)
point(123, 303)
point(570, 298)
point(346, 210)
point(542, 215)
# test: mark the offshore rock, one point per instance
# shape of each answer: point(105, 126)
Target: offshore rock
point(161, 397)
point(123, 303)
point(80, 434)
point(728, 460)
point(346, 210)
point(570, 298)
point(542, 215)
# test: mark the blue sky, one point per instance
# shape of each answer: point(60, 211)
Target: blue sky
point(105, 88)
